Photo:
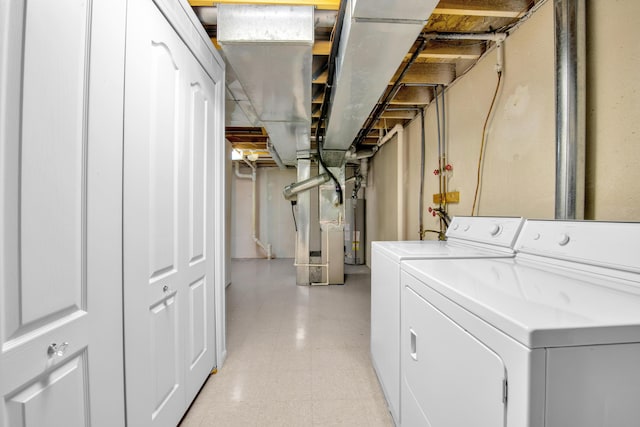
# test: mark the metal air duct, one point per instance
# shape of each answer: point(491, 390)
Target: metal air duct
point(376, 35)
point(270, 50)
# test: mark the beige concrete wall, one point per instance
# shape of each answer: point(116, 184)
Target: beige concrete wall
point(613, 110)
point(381, 194)
point(275, 225)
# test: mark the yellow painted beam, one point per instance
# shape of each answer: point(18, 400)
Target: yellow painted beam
point(450, 52)
point(319, 4)
point(494, 8)
point(214, 40)
point(322, 47)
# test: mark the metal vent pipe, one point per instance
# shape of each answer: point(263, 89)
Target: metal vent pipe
point(569, 18)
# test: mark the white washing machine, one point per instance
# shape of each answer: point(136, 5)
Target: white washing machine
point(468, 237)
point(549, 338)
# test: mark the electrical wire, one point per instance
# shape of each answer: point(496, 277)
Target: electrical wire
point(482, 144)
point(293, 213)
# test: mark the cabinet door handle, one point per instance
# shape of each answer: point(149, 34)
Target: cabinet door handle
point(414, 348)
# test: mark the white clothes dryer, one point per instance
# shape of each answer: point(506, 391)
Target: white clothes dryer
point(467, 238)
point(550, 338)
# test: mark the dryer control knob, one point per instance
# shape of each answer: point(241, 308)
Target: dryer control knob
point(466, 227)
point(495, 229)
point(455, 226)
point(563, 239)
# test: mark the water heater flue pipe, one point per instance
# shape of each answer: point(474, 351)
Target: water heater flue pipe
point(291, 190)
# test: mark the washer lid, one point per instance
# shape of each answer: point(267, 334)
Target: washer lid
point(405, 250)
point(538, 305)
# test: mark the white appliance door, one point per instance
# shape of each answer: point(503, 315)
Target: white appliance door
point(448, 377)
point(168, 237)
point(60, 213)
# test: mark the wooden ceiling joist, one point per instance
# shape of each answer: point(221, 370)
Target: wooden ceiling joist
point(428, 73)
point(399, 114)
point(321, 47)
point(413, 95)
point(494, 8)
point(322, 78)
point(319, 4)
point(444, 51)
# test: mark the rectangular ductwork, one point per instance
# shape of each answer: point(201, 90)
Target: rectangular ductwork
point(270, 51)
point(376, 35)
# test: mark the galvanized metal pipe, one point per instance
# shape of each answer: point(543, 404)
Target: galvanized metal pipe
point(291, 190)
point(569, 18)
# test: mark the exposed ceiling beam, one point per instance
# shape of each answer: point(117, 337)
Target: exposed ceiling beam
point(444, 51)
point(403, 114)
point(322, 78)
point(428, 73)
point(495, 8)
point(321, 47)
point(388, 123)
point(413, 96)
point(319, 4)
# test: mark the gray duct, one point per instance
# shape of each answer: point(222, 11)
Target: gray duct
point(376, 35)
point(280, 38)
point(570, 108)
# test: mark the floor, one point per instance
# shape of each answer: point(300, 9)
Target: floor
point(297, 355)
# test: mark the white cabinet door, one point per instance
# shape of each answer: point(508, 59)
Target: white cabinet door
point(60, 212)
point(449, 378)
point(168, 210)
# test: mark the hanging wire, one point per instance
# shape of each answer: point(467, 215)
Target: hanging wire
point(482, 144)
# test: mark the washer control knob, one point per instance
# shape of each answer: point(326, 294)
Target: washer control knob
point(466, 227)
point(455, 226)
point(495, 229)
point(563, 239)
point(536, 236)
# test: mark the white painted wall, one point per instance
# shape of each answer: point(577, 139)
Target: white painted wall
point(275, 225)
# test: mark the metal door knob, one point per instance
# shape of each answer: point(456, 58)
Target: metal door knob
point(57, 349)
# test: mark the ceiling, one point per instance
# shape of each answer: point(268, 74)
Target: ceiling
point(439, 62)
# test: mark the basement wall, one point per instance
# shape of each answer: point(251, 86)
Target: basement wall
point(613, 110)
point(275, 223)
point(519, 162)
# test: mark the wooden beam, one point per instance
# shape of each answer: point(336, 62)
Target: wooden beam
point(322, 78)
point(319, 4)
point(413, 96)
point(494, 8)
point(403, 114)
point(321, 47)
point(214, 40)
point(444, 51)
point(319, 98)
point(388, 123)
point(428, 73)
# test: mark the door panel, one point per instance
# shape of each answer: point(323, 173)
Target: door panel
point(58, 345)
point(197, 322)
point(55, 399)
point(168, 125)
point(201, 128)
point(163, 170)
point(198, 126)
point(164, 352)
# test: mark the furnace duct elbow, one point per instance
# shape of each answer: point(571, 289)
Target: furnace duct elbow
point(291, 190)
